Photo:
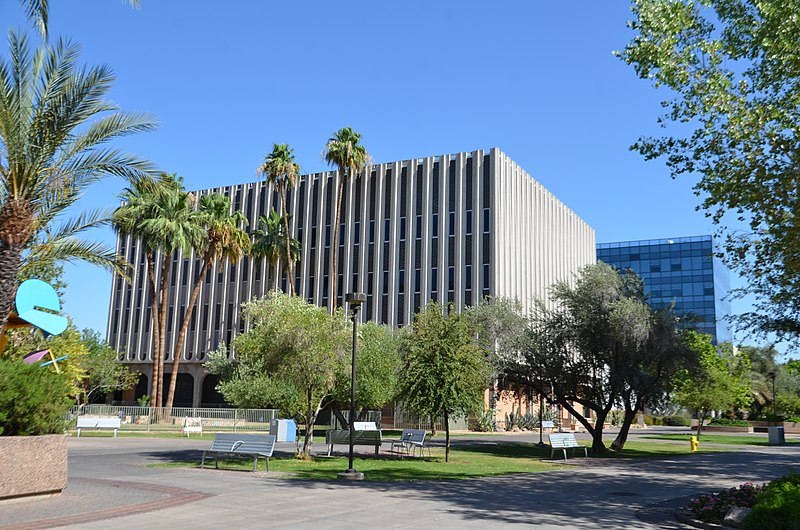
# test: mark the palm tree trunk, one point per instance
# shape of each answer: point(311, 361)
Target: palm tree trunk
point(164, 288)
point(273, 282)
point(289, 275)
point(198, 284)
point(335, 243)
point(10, 262)
point(151, 277)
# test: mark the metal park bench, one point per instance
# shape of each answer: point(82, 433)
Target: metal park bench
point(342, 436)
point(410, 440)
point(254, 445)
point(85, 422)
point(564, 442)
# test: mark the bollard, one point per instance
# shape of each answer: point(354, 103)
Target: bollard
point(694, 443)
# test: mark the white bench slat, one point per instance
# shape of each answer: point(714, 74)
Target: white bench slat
point(89, 422)
point(563, 442)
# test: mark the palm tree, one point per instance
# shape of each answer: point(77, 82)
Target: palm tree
point(270, 242)
point(344, 151)
point(223, 239)
point(280, 169)
point(160, 212)
point(54, 120)
point(38, 13)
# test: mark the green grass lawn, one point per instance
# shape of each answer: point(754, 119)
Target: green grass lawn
point(720, 439)
point(466, 461)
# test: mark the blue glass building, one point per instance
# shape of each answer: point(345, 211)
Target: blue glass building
point(682, 270)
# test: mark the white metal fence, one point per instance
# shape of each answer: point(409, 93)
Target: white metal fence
point(220, 419)
point(162, 419)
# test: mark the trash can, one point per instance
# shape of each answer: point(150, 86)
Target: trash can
point(776, 436)
point(283, 430)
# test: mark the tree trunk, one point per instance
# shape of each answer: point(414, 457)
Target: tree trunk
point(289, 275)
point(619, 442)
point(151, 277)
point(700, 423)
point(339, 416)
point(309, 425)
point(10, 262)
point(198, 284)
point(164, 293)
point(446, 436)
point(596, 430)
point(335, 244)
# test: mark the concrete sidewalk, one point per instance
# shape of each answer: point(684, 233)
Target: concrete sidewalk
point(109, 479)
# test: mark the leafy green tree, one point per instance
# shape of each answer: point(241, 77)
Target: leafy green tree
point(445, 372)
point(731, 69)
point(718, 382)
point(221, 239)
point(283, 172)
point(91, 365)
point(161, 214)
point(104, 371)
point(500, 323)
point(343, 150)
point(597, 346)
point(377, 371)
point(289, 359)
point(649, 372)
point(54, 122)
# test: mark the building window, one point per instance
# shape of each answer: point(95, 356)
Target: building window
point(435, 225)
point(419, 227)
point(452, 227)
point(469, 222)
point(486, 221)
point(386, 230)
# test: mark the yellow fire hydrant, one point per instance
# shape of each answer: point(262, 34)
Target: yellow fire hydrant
point(694, 443)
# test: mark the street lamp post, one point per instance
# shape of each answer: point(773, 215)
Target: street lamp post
point(541, 418)
point(355, 300)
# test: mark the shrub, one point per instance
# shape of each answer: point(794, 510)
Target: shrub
point(484, 422)
point(777, 507)
point(676, 421)
point(713, 507)
point(33, 400)
point(729, 423)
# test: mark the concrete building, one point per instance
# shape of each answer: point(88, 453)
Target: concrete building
point(685, 271)
point(452, 228)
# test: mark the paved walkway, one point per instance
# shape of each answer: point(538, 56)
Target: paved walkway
point(109, 478)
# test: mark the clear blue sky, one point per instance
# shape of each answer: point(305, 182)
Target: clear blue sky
point(228, 79)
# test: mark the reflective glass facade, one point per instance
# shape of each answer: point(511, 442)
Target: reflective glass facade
point(681, 270)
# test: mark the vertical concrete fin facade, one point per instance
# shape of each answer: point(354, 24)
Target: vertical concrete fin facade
point(449, 228)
